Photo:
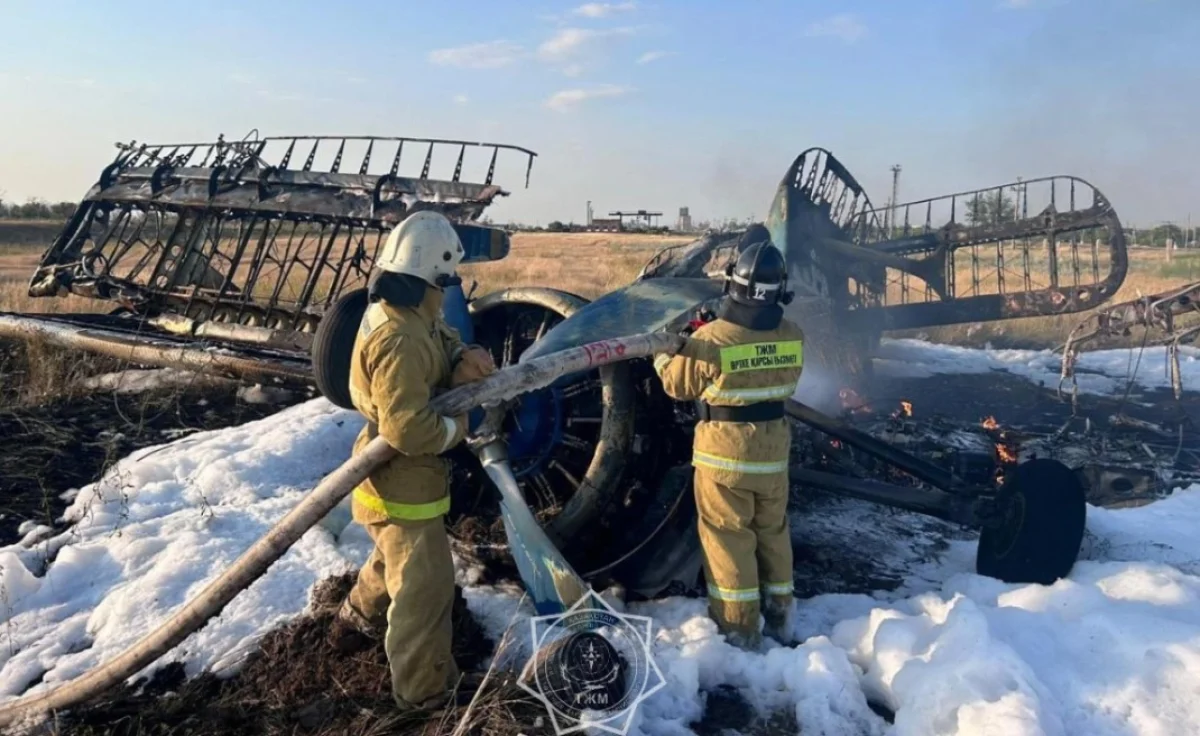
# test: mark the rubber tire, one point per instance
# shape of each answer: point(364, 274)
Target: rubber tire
point(674, 554)
point(333, 344)
point(1050, 514)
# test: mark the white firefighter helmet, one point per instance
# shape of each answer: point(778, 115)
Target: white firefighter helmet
point(424, 245)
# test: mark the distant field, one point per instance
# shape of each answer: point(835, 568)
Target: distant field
point(588, 264)
point(591, 264)
point(21, 242)
point(15, 234)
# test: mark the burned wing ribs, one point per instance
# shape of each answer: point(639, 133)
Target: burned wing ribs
point(238, 234)
point(1170, 316)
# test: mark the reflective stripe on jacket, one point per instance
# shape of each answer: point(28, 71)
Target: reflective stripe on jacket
point(400, 357)
point(725, 364)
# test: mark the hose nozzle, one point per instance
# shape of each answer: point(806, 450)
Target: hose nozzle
point(488, 442)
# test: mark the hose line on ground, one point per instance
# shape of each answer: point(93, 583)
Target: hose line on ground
point(506, 384)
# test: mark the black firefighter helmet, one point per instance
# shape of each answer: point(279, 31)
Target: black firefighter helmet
point(759, 278)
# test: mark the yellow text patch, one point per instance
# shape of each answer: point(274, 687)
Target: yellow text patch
point(762, 356)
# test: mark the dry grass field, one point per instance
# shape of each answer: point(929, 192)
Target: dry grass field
point(591, 264)
point(588, 264)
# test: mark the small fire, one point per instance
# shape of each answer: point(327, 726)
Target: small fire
point(1006, 451)
point(836, 444)
point(905, 410)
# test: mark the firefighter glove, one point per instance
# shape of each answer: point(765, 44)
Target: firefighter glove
point(475, 364)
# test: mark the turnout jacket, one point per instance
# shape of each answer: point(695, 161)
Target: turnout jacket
point(402, 356)
point(726, 364)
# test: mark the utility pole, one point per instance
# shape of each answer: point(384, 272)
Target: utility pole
point(891, 218)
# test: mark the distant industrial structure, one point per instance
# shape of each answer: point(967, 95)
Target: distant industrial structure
point(617, 221)
point(684, 224)
point(605, 225)
point(638, 216)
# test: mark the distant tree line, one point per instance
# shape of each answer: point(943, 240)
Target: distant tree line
point(984, 210)
point(36, 209)
point(1157, 237)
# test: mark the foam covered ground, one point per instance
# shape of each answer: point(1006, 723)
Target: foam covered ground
point(1097, 371)
point(1115, 649)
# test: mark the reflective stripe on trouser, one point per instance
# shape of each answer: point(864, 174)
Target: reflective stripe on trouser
point(747, 549)
point(403, 511)
point(408, 583)
point(716, 462)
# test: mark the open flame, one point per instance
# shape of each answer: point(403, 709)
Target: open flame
point(1006, 450)
point(905, 410)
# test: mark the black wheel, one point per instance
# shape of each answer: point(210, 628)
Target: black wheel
point(664, 546)
point(1039, 526)
point(333, 344)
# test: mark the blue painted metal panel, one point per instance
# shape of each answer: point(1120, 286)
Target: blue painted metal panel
point(643, 306)
point(482, 244)
point(454, 311)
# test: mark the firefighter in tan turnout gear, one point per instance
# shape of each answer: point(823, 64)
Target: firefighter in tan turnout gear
point(740, 368)
point(403, 354)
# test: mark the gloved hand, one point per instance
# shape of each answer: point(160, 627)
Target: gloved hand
point(475, 364)
point(703, 317)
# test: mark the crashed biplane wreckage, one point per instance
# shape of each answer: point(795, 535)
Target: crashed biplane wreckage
point(226, 257)
point(250, 258)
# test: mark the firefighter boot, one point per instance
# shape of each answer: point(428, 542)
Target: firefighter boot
point(777, 619)
point(352, 632)
point(362, 620)
point(750, 641)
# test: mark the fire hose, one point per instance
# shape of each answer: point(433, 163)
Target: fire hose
point(506, 384)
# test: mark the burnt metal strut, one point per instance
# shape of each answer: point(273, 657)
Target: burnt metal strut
point(950, 498)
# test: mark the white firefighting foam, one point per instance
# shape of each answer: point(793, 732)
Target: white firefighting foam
point(1115, 649)
point(1097, 372)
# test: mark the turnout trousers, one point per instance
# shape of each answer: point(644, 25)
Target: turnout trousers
point(407, 586)
point(747, 548)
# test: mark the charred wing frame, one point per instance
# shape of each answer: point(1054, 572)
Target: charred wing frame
point(1164, 313)
point(1032, 248)
point(230, 233)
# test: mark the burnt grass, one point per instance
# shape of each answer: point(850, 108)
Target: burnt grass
point(70, 440)
point(297, 682)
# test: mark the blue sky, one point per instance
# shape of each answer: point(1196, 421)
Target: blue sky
point(653, 104)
